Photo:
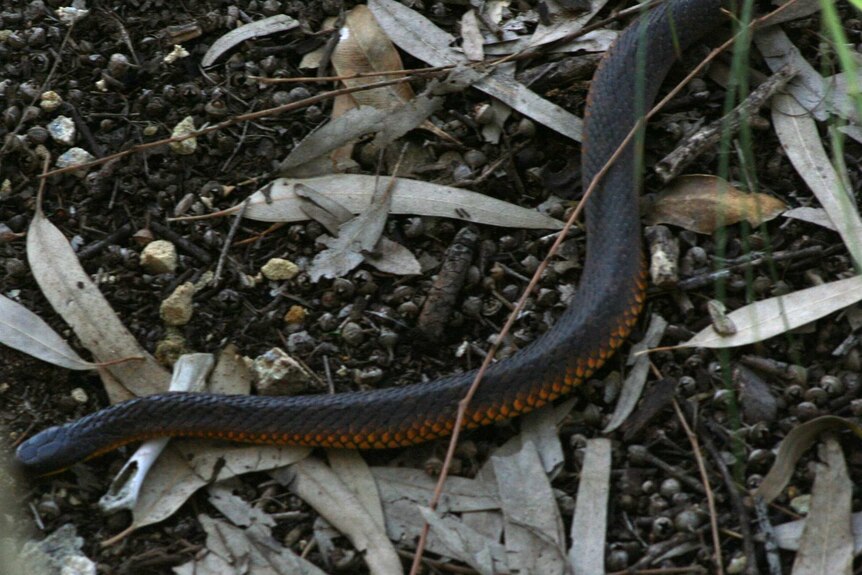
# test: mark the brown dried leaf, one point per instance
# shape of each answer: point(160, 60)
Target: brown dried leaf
point(363, 48)
point(73, 295)
point(703, 203)
point(25, 331)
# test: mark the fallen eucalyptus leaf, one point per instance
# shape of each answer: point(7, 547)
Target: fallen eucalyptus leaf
point(827, 540)
point(25, 331)
point(258, 29)
point(800, 139)
point(322, 489)
point(73, 295)
point(703, 203)
point(767, 318)
point(816, 216)
point(589, 525)
point(278, 202)
point(418, 36)
point(788, 535)
point(793, 446)
point(363, 47)
point(534, 528)
point(253, 550)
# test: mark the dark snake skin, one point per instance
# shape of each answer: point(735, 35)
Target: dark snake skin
point(607, 305)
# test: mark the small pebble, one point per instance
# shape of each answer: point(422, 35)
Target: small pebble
point(159, 257)
point(801, 504)
point(295, 315)
point(74, 157)
point(177, 308)
point(279, 269)
point(300, 343)
point(277, 373)
point(79, 395)
point(184, 128)
point(50, 101)
point(62, 130)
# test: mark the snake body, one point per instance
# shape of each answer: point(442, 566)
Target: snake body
point(606, 307)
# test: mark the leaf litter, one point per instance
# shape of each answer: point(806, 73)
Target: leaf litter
point(212, 529)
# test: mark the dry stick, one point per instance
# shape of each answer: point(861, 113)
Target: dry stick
point(228, 241)
point(710, 498)
point(464, 403)
point(736, 501)
point(672, 164)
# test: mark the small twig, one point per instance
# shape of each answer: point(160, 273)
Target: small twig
point(708, 136)
point(750, 260)
point(229, 241)
point(736, 501)
point(710, 498)
point(641, 452)
point(354, 76)
point(114, 237)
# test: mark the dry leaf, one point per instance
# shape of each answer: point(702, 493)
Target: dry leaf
point(807, 88)
point(471, 37)
point(793, 446)
point(460, 541)
point(356, 475)
point(73, 295)
point(800, 139)
point(232, 550)
point(387, 256)
point(770, 317)
point(363, 47)
point(187, 465)
point(636, 378)
point(333, 135)
point(534, 529)
point(335, 138)
point(589, 525)
point(703, 203)
point(258, 29)
point(419, 37)
point(25, 331)
point(827, 540)
point(816, 216)
point(788, 535)
point(222, 496)
point(278, 202)
point(318, 486)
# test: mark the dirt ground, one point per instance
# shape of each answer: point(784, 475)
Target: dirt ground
point(109, 215)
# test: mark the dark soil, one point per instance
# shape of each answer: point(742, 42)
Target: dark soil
point(129, 201)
